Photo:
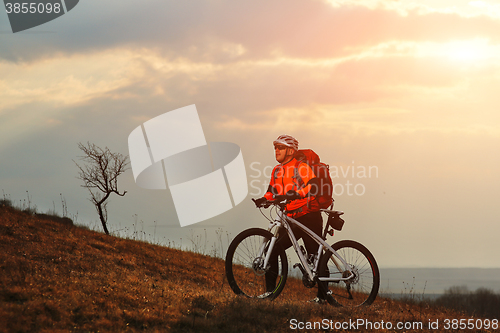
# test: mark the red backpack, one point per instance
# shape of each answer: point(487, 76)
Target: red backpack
point(322, 186)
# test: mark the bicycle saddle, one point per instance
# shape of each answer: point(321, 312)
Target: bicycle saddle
point(334, 212)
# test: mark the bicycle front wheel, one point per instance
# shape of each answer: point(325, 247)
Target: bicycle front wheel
point(363, 287)
point(245, 269)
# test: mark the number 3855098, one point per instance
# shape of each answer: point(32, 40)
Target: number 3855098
point(32, 8)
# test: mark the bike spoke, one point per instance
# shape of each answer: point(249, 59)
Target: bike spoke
point(244, 266)
point(363, 286)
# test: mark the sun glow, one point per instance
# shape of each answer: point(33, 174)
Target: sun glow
point(468, 50)
point(476, 50)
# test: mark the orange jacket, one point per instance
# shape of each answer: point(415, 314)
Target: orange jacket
point(283, 180)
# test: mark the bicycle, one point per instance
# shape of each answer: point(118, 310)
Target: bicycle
point(346, 271)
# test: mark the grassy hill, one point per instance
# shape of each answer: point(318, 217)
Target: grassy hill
point(58, 277)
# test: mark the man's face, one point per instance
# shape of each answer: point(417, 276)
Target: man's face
point(281, 152)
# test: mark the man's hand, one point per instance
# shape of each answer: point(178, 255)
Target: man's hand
point(292, 195)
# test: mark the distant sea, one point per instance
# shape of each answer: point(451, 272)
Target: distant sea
point(432, 282)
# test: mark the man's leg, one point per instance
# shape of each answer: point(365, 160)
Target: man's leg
point(313, 221)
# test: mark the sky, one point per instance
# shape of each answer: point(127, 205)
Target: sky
point(400, 98)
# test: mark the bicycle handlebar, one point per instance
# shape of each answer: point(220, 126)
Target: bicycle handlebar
point(278, 200)
point(262, 203)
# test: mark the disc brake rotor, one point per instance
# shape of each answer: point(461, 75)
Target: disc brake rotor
point(257, 267)
point(354, 279)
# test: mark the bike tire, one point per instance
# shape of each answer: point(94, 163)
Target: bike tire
point(242, 271)
point(362, 289)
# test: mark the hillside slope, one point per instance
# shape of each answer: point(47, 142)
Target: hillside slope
point(55, 276)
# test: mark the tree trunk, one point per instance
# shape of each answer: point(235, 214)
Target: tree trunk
point(101, 216)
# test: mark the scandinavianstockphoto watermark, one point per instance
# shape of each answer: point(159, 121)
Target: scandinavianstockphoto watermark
point(170, 150)
point(346, 179)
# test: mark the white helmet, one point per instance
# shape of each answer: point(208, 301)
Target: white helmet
point(288, 141)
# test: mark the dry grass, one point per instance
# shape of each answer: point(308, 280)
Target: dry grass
point(56, 277)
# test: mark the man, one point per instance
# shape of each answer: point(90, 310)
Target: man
point(304, 208)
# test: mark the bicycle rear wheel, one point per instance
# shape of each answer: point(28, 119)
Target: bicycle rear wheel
point(244, 265)
point(361, 289)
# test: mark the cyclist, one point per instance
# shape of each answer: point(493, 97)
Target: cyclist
point(302, 206)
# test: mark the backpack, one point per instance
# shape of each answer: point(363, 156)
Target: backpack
point(322, 186)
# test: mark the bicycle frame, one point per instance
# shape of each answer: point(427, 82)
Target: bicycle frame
point(286, 222)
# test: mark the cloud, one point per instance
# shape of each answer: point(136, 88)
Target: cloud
point(409, 77)
point(264, 66)
point(228, 31)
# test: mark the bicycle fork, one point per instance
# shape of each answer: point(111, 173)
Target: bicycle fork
point(269, 251)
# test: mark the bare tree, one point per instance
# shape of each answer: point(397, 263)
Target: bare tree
point(100, 176)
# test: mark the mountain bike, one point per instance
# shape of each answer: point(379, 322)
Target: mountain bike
point(346, 272)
